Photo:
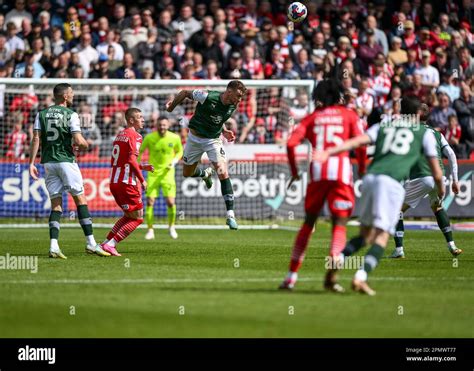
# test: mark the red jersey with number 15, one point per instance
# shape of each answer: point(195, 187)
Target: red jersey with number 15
point(125, 149)
point(325, 128)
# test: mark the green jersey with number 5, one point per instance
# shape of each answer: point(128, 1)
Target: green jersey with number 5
point(398, 146)
point(56, 125)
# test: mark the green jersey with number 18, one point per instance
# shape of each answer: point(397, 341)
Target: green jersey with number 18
point(398, 146)
point(56, 125)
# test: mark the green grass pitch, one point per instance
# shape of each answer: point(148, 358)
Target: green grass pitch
point(223, 284)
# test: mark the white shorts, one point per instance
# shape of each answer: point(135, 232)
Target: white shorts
point(195, 147)
point(63, 176)
point(381, 201)
point(417, 189)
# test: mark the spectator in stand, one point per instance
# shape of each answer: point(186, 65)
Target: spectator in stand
point(166, 51)
point(119, 21)
point(101, 69)
point(275, 66)
point(115, 105)
point(453, 136)
point(368, 50)
point(134, 34)
point(304, 67)
point(149, 107)
point(364, 102)
point(186, 22)
point(252, 64)
point(409, 38)
point(379, 85)
point(212, 70)
point(466, 63)
point(397, 55)
point(87, 53)
point(18, 14)
point(392, 107)
point(197, 41)
point(13, 41)
point(20, 70)
point(212, 49)
point(429, 74)
point(439, 115)
point(128, 68)
point(146, 50)
point(16, 140)
point(179, 46)
point(165, 30)
point(103, 47)
point(288, 73)
point(380, 37)
point(235, 69)
point(72, 24)
point(5, 51)
point(464, 107)
point(236, 38)
point(449, 85)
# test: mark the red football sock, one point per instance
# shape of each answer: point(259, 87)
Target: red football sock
point(127, 228)
point(338, 241)
point(299, 249)
point(119, 224)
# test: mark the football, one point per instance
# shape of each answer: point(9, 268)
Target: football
point(297, 12)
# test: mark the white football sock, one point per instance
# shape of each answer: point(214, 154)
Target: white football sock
point(91, 240)
point(54, 246)
point(112, 243)
point(230, 214)
point(361, 275)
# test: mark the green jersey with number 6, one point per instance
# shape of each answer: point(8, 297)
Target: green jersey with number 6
point(211, 114)
point(398, 146)
point(421, 168)
point(56, 125)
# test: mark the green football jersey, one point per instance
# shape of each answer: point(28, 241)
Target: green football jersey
point(422, 168)
point(56, 125)
point(398, 146)
point(163, 151)
point(211, 114)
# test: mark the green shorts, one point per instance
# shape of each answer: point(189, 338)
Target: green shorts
point(167, 185)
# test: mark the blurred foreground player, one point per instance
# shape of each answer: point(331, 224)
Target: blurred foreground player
point(399, 143)
point(329, 125)
point(123, 180)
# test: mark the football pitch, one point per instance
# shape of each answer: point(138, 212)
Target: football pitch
point(224, 284)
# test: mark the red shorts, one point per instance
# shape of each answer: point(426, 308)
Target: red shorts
point(340, 198)
point(127, 196)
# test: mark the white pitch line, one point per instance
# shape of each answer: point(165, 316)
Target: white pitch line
point(210, 280)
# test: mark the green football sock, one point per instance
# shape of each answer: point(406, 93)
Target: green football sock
point(171, 215)
point(443, 223)
point(54, 218)
point(372, 257)
point(399, 233)
point(149, 216)
point(227, 193)
point(85, 219)
point(198, 173)
point(354, 245)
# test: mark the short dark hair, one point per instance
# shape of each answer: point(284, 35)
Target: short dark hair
point(328, 92)
point(237, 85)
point(130, 112)
point(410, 105)
point(61, 89)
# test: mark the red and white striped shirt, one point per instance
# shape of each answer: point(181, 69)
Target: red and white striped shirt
point(254, 66)
point(125, 151)
point(379, 87)
point(326, 128)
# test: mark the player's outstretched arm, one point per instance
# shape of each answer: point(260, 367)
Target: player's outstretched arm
point(178, 99)
point(35, 142)
point(437, 176)
point(453, 163)
point(79, 141)
point(348, 145)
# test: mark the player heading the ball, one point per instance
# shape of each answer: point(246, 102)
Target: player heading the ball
point(205, 127)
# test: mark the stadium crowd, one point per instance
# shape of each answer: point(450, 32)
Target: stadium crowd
point(381, 50)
